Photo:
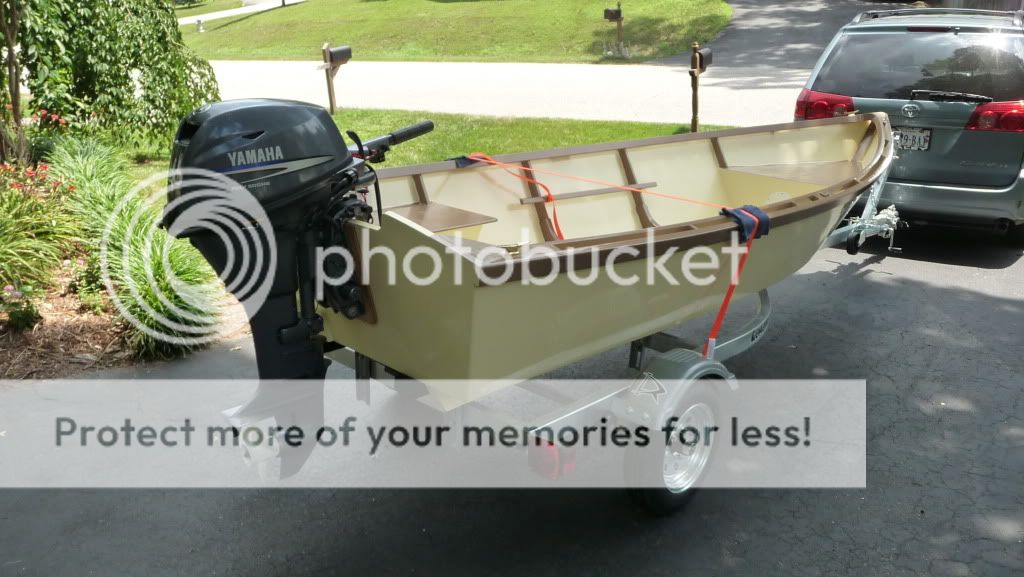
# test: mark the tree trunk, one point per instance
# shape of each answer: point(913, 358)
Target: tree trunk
point(14, 145)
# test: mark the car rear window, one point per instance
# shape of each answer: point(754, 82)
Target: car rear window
point(891, 65)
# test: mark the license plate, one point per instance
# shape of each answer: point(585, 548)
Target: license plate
point(912, 138)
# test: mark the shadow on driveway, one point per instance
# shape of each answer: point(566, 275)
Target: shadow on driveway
point(952, 247)
point(780, 33)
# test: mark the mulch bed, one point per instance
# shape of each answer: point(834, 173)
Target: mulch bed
point(69, 339)
point(72, 339)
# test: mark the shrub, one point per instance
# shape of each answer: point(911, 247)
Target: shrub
point(100, 173)
point(19, 305)
point(92, 302)
point(34, 234)
point(148, 295)
point(43, 130)
point(85, 277)
point(85, 280)
point(182, 297)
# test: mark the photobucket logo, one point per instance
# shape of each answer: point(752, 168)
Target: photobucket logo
point(159, 283)
point(526, 263)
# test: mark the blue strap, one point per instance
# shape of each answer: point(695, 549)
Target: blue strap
point(747, 224)
point(462, 161)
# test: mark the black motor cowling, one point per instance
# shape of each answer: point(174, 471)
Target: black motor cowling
point(284, 153)
point(285, 163)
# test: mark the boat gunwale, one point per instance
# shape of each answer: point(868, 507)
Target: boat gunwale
point(706, 231)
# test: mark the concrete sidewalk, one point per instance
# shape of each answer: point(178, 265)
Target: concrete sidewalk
point(651, 93)
point(251, 9)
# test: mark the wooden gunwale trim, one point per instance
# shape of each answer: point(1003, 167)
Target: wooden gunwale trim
point(547, 228)
point(401, 171)
point(706, 231)
point(642, 212)
point(590, 192)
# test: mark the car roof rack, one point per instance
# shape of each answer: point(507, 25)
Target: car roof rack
point(1016, 16)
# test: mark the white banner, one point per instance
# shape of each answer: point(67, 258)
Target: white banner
point(643, 433)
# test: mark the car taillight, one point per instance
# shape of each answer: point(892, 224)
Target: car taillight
point(998, 117)
point(811, 105)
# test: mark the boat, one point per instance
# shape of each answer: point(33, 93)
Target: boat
point(498, 255)
point(493, 250)
point(635, 200)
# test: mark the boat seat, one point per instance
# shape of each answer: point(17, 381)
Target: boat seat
point(437, 217)
point(441, 218)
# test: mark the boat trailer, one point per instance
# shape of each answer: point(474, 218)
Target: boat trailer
point(670, 373)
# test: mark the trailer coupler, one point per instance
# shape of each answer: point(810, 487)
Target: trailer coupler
point(871, 222)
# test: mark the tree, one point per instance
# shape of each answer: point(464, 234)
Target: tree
point(119, 64)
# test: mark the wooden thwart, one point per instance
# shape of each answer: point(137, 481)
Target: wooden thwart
point(547, 227)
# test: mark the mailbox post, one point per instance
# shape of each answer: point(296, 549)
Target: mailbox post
point(615, 15)
point(333, 59)
point(700, 59)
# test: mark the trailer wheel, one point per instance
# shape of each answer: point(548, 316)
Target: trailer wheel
point(854, 241)
point(678, 468)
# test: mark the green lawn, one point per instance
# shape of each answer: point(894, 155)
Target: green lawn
point(205, 7)
point(468, 30)
point(456, 134)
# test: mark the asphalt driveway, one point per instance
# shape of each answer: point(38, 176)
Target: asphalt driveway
point(936, 333)
point(782, 35)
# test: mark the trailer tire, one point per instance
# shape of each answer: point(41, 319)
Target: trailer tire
point(853, 243)
point(645, 466)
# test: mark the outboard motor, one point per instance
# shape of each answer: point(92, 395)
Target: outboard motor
point(289, 171)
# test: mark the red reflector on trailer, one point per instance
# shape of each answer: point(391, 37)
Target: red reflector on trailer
point(550, 460)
